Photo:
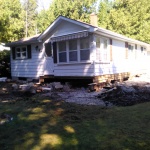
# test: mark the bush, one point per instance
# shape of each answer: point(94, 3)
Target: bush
point(5, 64)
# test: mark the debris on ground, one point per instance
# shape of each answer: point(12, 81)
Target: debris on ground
point(132, 91)
point(128, 93)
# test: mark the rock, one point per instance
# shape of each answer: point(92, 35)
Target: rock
point(3, 79)
point(31, 84)
point(8, 80)
point(57, 85)
point(46, 89)
point(4, 89)
point(24, 87)
point(15, 86)
point(126, 89)
point(32, 90)
point(66, 88)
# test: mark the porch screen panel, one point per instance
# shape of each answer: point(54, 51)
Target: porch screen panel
point(62, 51)
point(84, 49)
point(73, 50)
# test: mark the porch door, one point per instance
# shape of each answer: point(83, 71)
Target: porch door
point(49, 64)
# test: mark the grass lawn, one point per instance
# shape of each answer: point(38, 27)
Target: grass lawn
point(43, 124)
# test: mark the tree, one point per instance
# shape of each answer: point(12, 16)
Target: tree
point(30, 17)
point(5, 63)
point(11, 24)
point(131, 18)
point(103, 12)
point(74, 9)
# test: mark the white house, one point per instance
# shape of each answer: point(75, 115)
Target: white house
point(3, 47)
point(72, 49)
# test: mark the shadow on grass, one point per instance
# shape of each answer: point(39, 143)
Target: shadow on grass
point(41, 123)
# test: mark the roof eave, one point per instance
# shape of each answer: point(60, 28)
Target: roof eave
point(117, 36)
point(21, 43)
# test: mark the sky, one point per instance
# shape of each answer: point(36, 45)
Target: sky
point(44, 4)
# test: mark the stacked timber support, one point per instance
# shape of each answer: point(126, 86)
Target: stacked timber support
point(111, 77)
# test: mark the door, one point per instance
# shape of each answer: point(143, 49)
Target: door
point(48, 62)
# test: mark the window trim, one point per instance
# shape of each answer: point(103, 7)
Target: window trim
point(21, 52)
point(101, 49)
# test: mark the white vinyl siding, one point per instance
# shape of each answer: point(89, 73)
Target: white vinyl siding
point(32, 68)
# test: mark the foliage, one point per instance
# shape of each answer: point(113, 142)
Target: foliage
point(42, 123)
point(30, 17)
point(128, 17)
point(5, 63)
point(77, 9)
point(103, 15)
point(11, 24)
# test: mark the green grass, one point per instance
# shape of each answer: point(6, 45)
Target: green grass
point(43, 124)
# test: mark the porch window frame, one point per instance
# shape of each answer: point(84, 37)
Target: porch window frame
point(84, 49)
point(78, 50)
point(60, 52)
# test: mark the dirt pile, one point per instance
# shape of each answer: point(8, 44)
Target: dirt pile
point(136, 90)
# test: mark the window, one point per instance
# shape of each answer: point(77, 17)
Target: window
point(84, 49)
point(101, 49)
point(143, 51)
point(131, 53)
point(21, 52)
point(105, 46)
point(73, 52)
point(98, 46)
point(62, 52)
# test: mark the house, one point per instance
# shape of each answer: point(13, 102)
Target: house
point(3, 47)
point(72, 49)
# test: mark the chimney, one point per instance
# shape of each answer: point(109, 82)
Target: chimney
point(94, 19)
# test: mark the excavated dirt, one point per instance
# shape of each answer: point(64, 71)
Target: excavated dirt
point(133, 91)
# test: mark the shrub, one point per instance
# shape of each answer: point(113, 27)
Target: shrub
point(5, 64)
